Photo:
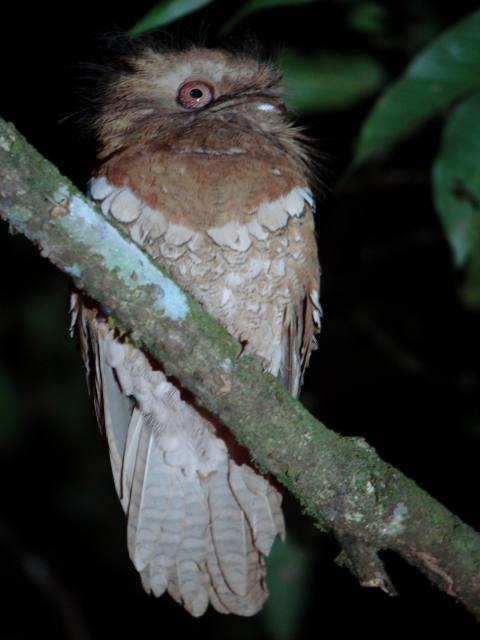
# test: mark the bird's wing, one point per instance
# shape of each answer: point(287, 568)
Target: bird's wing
point(199, 524)
point(302, 318)
point(301, 324)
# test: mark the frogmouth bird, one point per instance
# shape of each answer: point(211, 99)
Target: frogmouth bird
point(199, 164)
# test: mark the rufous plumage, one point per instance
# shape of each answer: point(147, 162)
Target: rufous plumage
point(199, 164)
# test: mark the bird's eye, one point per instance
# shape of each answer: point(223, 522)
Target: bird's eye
point(195, 94)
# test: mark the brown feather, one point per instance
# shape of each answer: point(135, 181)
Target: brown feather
point(220, 197)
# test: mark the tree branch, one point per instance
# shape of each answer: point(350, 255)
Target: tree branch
point(341, 482)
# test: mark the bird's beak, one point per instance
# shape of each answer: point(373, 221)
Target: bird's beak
point(263, 102)
point(269, 103)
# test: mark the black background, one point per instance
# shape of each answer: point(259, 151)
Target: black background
point(397, 363)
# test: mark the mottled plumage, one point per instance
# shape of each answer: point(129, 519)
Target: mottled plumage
point(201, 168)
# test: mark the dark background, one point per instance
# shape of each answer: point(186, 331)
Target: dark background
point(397, 363)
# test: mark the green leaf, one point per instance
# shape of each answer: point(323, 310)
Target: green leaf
point(368, 17)
point(252, 6)
point(446, 70)
point(328, 80)
point(456, 188)
point(289, 578)
point(165, 12)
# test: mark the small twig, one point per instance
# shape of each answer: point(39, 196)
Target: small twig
point(363, 561)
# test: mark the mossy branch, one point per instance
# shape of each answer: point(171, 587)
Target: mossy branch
point(367, 504)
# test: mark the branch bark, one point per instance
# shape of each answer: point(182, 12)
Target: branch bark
point(366, 503)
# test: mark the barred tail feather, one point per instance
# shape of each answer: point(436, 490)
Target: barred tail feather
point(198, 524)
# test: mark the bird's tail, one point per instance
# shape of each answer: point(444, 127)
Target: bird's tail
point(200, 524)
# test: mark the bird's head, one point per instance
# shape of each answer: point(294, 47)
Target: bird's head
point(197, 100)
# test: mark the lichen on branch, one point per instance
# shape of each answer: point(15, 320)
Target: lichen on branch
point(366, 503)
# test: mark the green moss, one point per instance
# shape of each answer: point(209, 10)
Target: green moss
point(20, 214)
point(292, 474)
point(332, 476)
point(214, 330)
point(124, 332)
